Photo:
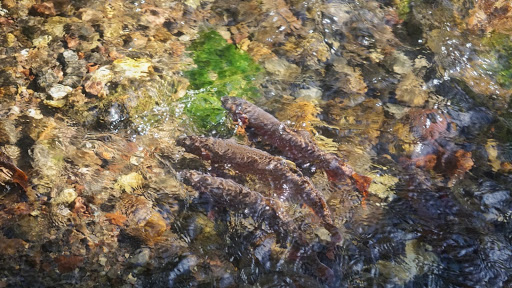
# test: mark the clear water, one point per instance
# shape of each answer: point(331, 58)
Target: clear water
point(417, 99)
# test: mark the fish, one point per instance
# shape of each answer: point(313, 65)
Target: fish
point(295, 145)
point(291, 185)
point(238, 198)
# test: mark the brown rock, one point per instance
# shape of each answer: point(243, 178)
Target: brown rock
point(72, 41)
point(11, 246)
point(43, 9)
point(428, 161)
point(116, 218)
point(94, 87)
point(68, 263)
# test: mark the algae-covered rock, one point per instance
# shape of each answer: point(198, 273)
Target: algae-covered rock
point(65, 196)
point(129, 182)
point(55, 25)
point(8, 132)
point(49, 162)
point(282, 69)
point(131, 68)
point(301, 114)
point(42, 41)
point(349, 79)
point(412, 91)
point(418, 259)
point(310, 50)
point(382, 186)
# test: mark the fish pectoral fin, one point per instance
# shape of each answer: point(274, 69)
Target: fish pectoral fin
point(292, 166)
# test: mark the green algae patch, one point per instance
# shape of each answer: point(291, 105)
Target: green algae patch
point(501, 50)
point(403, 8)
point(221, 70)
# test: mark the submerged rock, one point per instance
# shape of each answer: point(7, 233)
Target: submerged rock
point(59, 91)
point(8, 132)
point(65, 196)
point(129, 182)
point(131, 68)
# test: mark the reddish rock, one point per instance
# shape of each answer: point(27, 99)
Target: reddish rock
point(429, 124)
point(43, 9)
point(68, 263)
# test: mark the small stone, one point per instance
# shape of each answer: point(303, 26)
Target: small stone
point(55, 103)
point(59, 91)
point(8, 4)
point(62, 210)
point(49, 77)
point(10, 39)
point(35, 113)
point(401, 64)
point(312, 93)
point(137, 158)
point(8, 132)
point(12, 151)
point(15, 111)
point(55, 25)
point(129, 182)
point(42, 41)
point(70, 56)
point(141, 257)
point(184, 38)
point(102, 260)
point(398, 111)
point(68, 263)
point(72, 41)
point(65, 196)
point(94, 87)
point(90, 15)
point(282, 68)
point(411, 90)
point(72, 81)
point(132, 280)
point(136, 40)
point(496, 199)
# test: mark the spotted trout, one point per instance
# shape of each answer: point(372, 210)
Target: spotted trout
point(295, 145)
point(243, 159)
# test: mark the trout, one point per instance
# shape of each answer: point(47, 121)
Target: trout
point(295, 145)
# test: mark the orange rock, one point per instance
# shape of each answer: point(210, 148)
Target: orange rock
point(154, 227)
point(428, 162)
point(429, 124)
point(116, 218)
point(80, 208)
point(91, 67)
point(151, 231)
point(463, 162)
point(14, 173)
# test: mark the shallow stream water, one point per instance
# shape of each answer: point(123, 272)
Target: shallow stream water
point(413, 94)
